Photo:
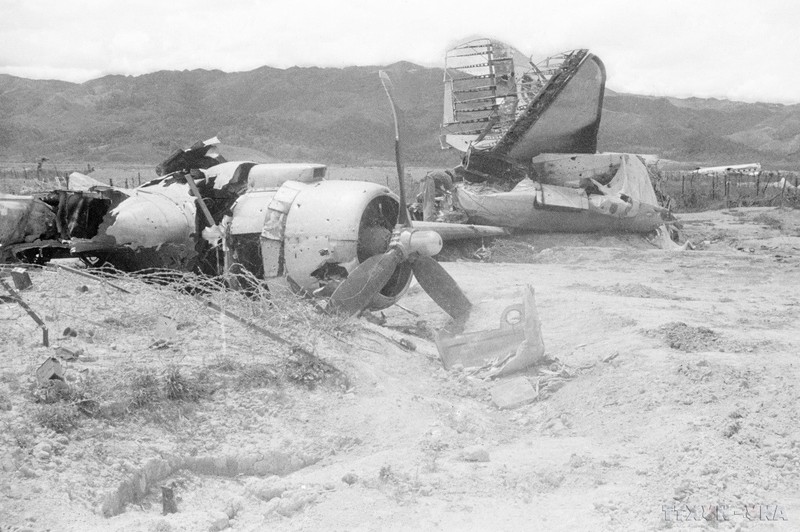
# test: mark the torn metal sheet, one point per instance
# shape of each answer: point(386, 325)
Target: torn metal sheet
point(79, 181)
point(23, 219)
point(625, 202)
point(50, 369)
point(515, 345)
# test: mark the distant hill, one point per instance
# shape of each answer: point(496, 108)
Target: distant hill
point(341, 115)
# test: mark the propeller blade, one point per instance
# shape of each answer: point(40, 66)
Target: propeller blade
point(389, 88)
point(440, 286)
point(356, 292)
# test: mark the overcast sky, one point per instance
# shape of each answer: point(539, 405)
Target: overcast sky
point(735, 49)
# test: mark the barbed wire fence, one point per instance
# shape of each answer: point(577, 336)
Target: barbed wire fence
point(16, 178)
point(692, 191)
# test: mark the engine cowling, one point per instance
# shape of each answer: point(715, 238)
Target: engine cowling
point(316, 233)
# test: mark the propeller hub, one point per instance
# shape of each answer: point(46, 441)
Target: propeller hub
point(424, 242)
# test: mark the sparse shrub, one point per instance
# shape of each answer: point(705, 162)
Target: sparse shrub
point(258, 376)
point(5, 402)
point(144, 388)
point(768, 220)
point(178, 387)
point(59, 417)
point(432, 449)
point(309, 370)
point(385, 474)
point(226, 365)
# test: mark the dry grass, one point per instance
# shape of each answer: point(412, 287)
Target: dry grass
point(768, 220)
point(164, 351)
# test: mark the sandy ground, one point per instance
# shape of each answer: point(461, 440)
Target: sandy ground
point(678, 406)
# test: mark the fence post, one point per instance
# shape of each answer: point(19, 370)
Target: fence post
point(713, 186)
point(683, 187)
point(758, 182)
point(110, 182)
point(727, 190)
point(783, 187)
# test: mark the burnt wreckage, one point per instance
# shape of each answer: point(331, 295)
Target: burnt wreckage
point(348, 241)
point(528, 135)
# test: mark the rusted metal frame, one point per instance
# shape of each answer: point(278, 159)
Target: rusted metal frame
point(476, 65)
point(210, 219)
point(478, 109)
point(468, 78)
point(482, 88)
point(472, 54)
point(18, 299)
point(471, 121)
point(473, 100)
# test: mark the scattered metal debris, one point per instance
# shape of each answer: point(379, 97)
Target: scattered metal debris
point(402, 343)
point(16, 298)
point(516, 345)
point(20, 278)
point(51, 369)
point(478, 349)
point(68, 354)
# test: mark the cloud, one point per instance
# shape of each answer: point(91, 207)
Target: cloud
point(736, 48)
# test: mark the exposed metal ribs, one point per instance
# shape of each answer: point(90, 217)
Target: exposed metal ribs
point(468, 78)
point(541, 102)
point(476, 89)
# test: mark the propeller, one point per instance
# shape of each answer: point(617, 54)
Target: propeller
point(408, 245)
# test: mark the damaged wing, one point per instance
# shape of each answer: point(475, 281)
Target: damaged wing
point(571, 193)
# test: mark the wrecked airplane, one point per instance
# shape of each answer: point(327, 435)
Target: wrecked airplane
point(528, 135)
point(283, 223)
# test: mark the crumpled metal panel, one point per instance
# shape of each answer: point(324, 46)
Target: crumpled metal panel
point(21, 217)
point(272, 234)
point(271, 176)
point(148, 220)
point(250, 212)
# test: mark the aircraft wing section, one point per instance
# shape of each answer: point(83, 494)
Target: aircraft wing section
point(451, 231)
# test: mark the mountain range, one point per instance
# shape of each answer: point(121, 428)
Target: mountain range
point(341, 116)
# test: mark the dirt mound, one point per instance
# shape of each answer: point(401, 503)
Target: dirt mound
point(630, 290)
point(683, 337)
point(687, 338)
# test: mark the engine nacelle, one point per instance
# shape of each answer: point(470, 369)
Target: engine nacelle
point(317, 233)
